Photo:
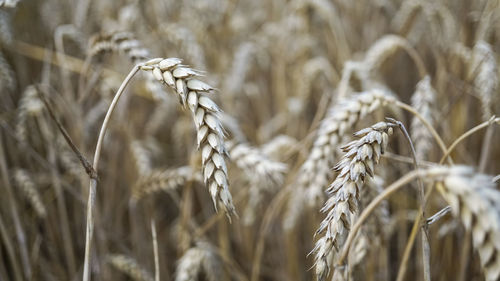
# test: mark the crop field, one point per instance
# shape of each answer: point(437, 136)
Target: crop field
point(250, 140)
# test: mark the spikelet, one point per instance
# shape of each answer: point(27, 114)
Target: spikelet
point(342, 206)
point(163, 181)
point(315, 173)
point(475, 200)
point(210, 136)
point(201, 258)
point(484, 65)
point(130, 267)
point(423, 101)
point(27, 186)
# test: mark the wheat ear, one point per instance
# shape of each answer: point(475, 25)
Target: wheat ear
point(484, 66)
point(202, 257)
point(256, 164)
point(423, 100)
point(475, 200)
point(315, 173)
point(341, 208)
point(130, 267)
point(27, 185)
point(163, 180)
point(210, 136)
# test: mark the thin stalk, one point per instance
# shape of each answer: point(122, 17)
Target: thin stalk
point(67, 241)
point(411, 240)
point(93, 179)
point(155, 250)
point(468, 134)
point(485, 152)
point(425, 231)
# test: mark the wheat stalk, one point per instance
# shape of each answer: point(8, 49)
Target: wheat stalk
point(210, 136)
point(358, 162)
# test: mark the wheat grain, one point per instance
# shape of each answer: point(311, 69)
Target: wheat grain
point(358, 162)
point(210, 136)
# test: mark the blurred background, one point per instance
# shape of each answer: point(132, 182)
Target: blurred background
point(279, 68)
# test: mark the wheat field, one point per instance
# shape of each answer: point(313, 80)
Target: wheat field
point(250, 140)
